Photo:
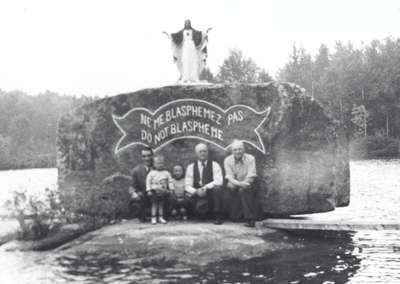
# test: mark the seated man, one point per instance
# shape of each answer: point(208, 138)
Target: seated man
point(138, 186)
point(240, 172)
point(203, 180)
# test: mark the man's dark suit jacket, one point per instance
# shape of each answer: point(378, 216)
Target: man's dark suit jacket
point(139, 174)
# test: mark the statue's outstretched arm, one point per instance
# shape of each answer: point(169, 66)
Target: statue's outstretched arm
point(205, 38)
point(167, 34)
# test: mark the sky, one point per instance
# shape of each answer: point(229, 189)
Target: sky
point(103, 47)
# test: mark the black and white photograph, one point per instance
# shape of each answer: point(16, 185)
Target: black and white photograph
point(224, 141)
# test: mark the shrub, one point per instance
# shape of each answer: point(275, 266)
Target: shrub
point(382, 147)
point(36, 217)
point(358, 148)
point(93, 207)
point(99, 204)
point(377, 146)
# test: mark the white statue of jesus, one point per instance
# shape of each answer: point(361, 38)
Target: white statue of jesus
point(189, 49)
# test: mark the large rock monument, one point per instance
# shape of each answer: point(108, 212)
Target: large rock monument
point(301, 155)
point(301, 159)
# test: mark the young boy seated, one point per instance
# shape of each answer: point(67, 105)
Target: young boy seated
point(158, 187)
point(179, 201)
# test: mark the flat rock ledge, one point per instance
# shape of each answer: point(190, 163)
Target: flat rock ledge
point(180, 242)
point(65, 234)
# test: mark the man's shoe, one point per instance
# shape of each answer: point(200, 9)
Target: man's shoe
point(251, 224)
point(153, 220)
point(218, 221)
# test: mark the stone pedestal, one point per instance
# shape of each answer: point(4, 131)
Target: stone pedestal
point(301, 162)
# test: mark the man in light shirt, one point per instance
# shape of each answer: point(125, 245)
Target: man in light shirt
point(203, 180)
point(240, 172)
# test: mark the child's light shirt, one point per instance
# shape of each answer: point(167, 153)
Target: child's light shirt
point(179, 187)
point(159, 180)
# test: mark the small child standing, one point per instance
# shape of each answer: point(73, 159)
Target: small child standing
point(179, 201)
point(158, 186)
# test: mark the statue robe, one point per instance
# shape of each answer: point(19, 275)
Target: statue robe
point(189, 48)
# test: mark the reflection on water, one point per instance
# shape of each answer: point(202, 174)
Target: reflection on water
point(360, 257)
point(319, 261)
point(379, 255)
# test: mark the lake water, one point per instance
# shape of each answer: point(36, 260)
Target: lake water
point(361, 257)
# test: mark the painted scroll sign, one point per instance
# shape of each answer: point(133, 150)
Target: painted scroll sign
point(190, 118)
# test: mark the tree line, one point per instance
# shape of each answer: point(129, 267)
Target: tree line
point(359, 87)
point(28, 126)
point(351, 81)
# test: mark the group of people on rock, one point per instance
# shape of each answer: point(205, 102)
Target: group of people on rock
point(198, 190)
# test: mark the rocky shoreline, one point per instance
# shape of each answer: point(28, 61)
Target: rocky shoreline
point(180, 242)
point(63, 235)
point(194, 243)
